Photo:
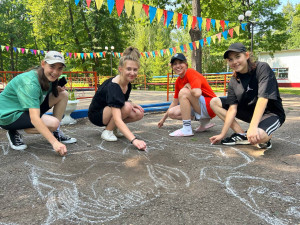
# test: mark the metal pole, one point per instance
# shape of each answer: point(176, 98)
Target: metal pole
point(252, 25)
point(111, 63)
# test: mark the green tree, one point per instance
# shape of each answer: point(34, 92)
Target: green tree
point(292, 14)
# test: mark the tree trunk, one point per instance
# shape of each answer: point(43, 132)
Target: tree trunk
point(196, 35)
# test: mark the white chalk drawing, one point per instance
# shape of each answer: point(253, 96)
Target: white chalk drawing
point(92, 194)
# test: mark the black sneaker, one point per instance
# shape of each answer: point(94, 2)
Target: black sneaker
point(266, 145)
point(235, 139)
point(15, 140)
point(61, 137)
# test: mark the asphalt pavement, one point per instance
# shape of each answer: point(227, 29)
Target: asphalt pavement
point(179, 180)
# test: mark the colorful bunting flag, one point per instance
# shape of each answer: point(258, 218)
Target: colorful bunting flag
point(119, 6)
point(128, 7)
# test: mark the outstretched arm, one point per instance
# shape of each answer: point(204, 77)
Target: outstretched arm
point(117, 117)
point(44, 130)
point(230, 116)
point(174, 103)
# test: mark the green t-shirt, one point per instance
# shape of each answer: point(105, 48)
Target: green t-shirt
point(21, 93)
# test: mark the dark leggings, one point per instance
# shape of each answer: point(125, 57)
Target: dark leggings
point(24, 120)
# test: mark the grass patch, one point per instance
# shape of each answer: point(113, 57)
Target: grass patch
point(291, 91)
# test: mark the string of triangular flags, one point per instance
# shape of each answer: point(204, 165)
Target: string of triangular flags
point(170, 51)
point(150, 11)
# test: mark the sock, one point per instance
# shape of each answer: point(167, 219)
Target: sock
point(187, 126)
point(57, 130)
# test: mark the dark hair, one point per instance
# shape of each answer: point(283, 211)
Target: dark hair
point(130, 53)
point(251, 64)
point(44, 82)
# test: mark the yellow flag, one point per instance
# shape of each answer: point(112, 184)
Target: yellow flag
point(159, 13)
point(237, 30)
point(78, 55)
point(99, 3)
point(190, 20)
point(217, 24)
point(214, 38)
point(203, 23)
point(128, 7)
point(197, 44)
point(175, 18)
point(137, 9)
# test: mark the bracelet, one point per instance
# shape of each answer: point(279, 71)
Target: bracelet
point(133, 140)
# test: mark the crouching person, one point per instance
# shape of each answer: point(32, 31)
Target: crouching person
point(253, 97)
point(110, 106)
point(27, 98)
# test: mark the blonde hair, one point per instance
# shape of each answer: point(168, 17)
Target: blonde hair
point(130, 53)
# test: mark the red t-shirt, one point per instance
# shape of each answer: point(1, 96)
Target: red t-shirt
point(196, 80)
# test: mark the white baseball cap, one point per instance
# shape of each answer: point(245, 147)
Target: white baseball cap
point(54, 57)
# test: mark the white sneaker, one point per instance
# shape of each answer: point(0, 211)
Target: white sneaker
point(118, 133)
point(108, 135)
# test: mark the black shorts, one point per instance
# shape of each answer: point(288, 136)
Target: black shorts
point(24, 120)
point(269, 121)
point(96, 117)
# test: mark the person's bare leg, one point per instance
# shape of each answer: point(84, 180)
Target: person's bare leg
point(216, 106)
point(59, 104)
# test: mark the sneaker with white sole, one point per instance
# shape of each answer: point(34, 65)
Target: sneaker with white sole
point(15, 140)
point(266, 145)
point(108, 135)
point(236, 139)
point(65, 139)
point(179, 133)
point(118, 133)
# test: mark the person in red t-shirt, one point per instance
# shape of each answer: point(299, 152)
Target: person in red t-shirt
point(193, 93)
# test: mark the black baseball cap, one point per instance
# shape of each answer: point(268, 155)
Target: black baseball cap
point(236, 47)
point(178, 56)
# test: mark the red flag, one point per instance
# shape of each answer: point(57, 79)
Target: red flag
point(94, 53)
point(85, 55)
point(146, 9)
point(185, 49)
point(165, 16)
point(88, 2)
point(204, 41)
point(119, 6)
point(142, 53)
point(174, 50)
point(230, 31)
point(179, 20)
point(75, 55)
point(207, 24)
point(194, 45)
point(194, 22)
point(222, 23)
point(104, 53)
